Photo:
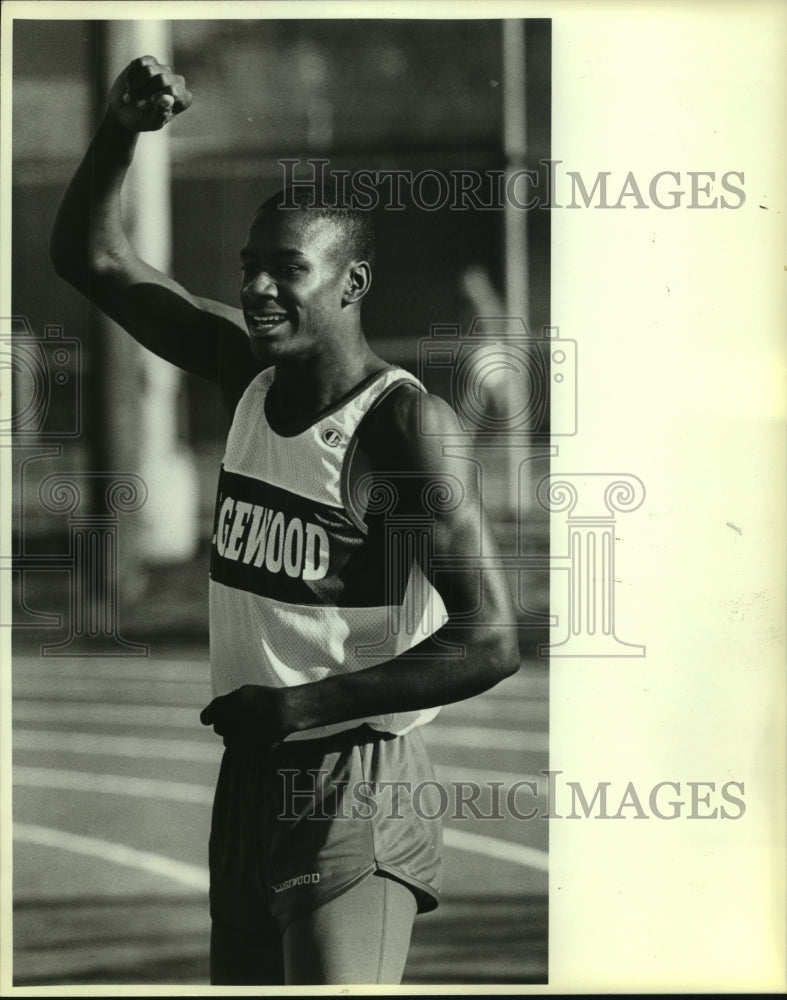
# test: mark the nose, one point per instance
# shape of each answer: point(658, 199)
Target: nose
point(259, 285)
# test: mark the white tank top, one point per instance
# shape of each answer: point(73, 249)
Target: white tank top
point(300, 589)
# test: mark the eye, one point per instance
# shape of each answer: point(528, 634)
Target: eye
point(289, 269)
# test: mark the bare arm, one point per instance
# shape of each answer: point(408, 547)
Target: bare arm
point(481, 616)
point(89, 248)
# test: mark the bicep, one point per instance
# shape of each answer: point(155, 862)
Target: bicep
point(199, 335)
point(464, 568)
point(442, 490)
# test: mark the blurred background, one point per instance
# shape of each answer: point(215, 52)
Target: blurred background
point(110, 590)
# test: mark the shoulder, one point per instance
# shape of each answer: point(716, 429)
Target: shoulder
point(407, 427)
point(249, 390)
point(235, 366)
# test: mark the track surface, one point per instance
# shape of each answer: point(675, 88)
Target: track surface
point(113, 778)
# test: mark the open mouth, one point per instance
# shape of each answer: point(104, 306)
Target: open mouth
point(264, 322)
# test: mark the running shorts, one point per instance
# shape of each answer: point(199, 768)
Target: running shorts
point(297, 825)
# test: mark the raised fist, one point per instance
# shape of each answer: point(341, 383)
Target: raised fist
point(147, 95)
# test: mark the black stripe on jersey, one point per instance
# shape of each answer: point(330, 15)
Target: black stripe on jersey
point(281, 545)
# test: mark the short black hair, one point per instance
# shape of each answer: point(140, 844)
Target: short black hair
point(324, 201)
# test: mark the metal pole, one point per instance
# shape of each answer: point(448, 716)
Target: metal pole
point(515, 147)
point(517, 475)
point(170, 517)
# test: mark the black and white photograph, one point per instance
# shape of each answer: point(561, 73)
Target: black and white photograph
point(302, 420)
point(393, 540)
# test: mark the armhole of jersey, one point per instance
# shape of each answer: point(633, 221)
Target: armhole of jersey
point(262, 379)
point(228, 388)
point(355, 514)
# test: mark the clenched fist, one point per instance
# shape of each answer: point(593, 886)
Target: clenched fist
point(147, 95)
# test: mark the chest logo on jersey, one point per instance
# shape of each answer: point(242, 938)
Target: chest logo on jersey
point(332, 437)
point(253, 535)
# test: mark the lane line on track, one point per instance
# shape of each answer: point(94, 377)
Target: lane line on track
point(117, 746)
point(95, 744)
point(196, 877)
point(113, 784)
point(192, 876)
point(196, 670)
point(484, 738)
point(475, 843)
point(493, 847)
point(182, 791)
point(96, 713)
point(447, 773)
point(190, 750)
point(436, 733)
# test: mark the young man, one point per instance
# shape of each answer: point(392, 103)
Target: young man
point(332, 638)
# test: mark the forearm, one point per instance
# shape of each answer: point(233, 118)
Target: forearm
point(88, 231)
point(426, 676)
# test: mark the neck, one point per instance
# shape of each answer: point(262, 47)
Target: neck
point(301, 389)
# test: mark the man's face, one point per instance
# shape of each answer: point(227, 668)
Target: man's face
point(292, 283)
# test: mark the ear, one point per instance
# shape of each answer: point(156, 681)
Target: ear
point(359, 280)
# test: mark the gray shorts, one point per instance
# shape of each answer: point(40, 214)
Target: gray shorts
point(298, 825)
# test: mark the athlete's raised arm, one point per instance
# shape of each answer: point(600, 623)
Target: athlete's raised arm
point(89, 248)
point(409, 429)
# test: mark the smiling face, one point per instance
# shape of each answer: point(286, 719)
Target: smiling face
point(295, 283)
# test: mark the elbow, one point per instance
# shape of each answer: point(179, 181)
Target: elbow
point(57, 255)
point(71, 254)
point(75, 265)
point(500, 651)
point(63, 259)
point(61, 245)
point(508, 659)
